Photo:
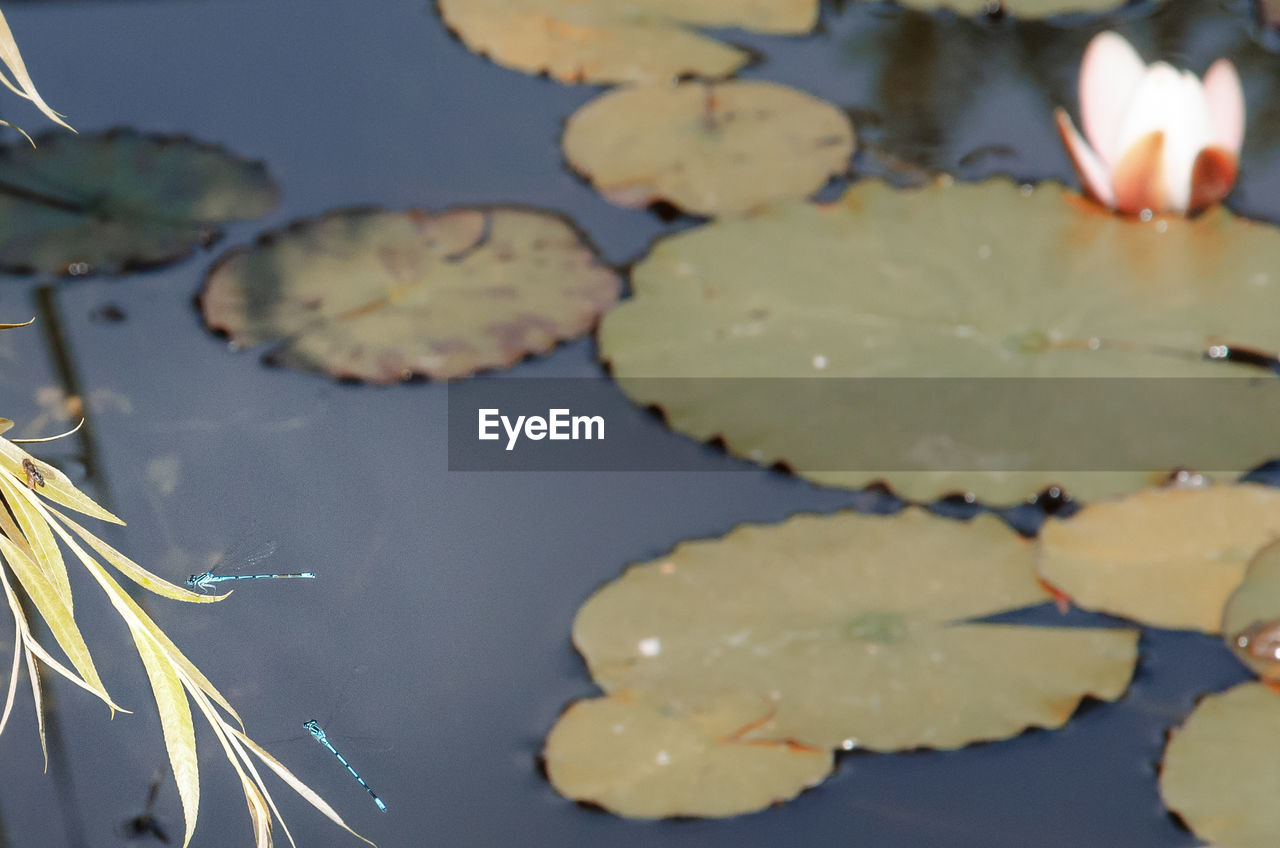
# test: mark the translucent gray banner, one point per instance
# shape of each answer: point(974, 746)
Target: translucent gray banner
point(872, 425)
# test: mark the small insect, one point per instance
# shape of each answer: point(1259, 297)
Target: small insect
point(314, 728)
point(205, 581)
point(34, 476)
point(1260, 640)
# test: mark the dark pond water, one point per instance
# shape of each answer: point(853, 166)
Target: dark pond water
point(440, 622)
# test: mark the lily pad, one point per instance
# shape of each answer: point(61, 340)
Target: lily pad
point(1219, 772)
point(1164, 557)
point(379, 296)
point(856, 628)
point(115, 201)
point(1251, 618)
point(708, 148)
point(641, 756)
point(1024, 9)
point(603, 41)
point(987, 280)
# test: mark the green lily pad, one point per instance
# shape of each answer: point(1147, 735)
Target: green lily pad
point(115, 201)
point(708, 148)
point(1024, 9)
point(1164, 557)
point(856, 629)
point(1251, 617)
point(641, 756)
point(1219, 772)
point(602, 41)
point(974, 281)
point(379, 296)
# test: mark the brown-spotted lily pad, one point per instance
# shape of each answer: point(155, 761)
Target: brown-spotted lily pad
point(1164, 557)
point(607, 41)
point(641, 756)
point(381, 296)
point(114, 201)
point(1219, 772)
point(708, 148)
point(1251, 618)
point(856, 629)
point(952, 281)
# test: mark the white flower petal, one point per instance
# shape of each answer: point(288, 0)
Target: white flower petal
point(1225, 97)
point(1109, 75)
point(1188, 132)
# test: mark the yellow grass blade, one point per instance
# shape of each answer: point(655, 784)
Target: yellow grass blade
point(45, 657)
point(134, 616)
point(308, 794)
point(47, 438)
point(44, 552)
point(59, 618)
point(179, 731)
point(34, 674)
point(13, 672)
point(57, 486)
point(25, 87)
point(144, 578)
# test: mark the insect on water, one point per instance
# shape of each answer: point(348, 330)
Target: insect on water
point(313, 727)
point(205, 581)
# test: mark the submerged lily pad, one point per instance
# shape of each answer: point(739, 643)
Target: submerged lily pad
point(953, 280)
point(1251, 618)
point(1164, 557)
point(381, 296)
point(641, 756)
point(119, 200)
point(708, 148)
point(856, 629)
point(1219, 772)
point(607, 41)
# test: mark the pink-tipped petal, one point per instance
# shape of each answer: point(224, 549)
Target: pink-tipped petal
point(1093, 174)
point(1139, 178)
point(1109, 75)
point(1212, 177)
point(1225, 97)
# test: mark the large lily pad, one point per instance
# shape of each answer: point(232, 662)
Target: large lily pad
point(1251, 618)
point(708, 148)
point(641, 756)
point(986, 280)
point(608, 41)
point(114, 201)
point(381, 296)
point(855, 628)
point(1164, 557)
point(1220, 773)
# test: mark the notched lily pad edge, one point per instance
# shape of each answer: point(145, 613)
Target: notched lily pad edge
point(751, 57)
point(267, 239)
point(1087, 703)
point(1052, 500)
point(207, 234)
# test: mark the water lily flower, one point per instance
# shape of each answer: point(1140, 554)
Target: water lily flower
point(1159, 139)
